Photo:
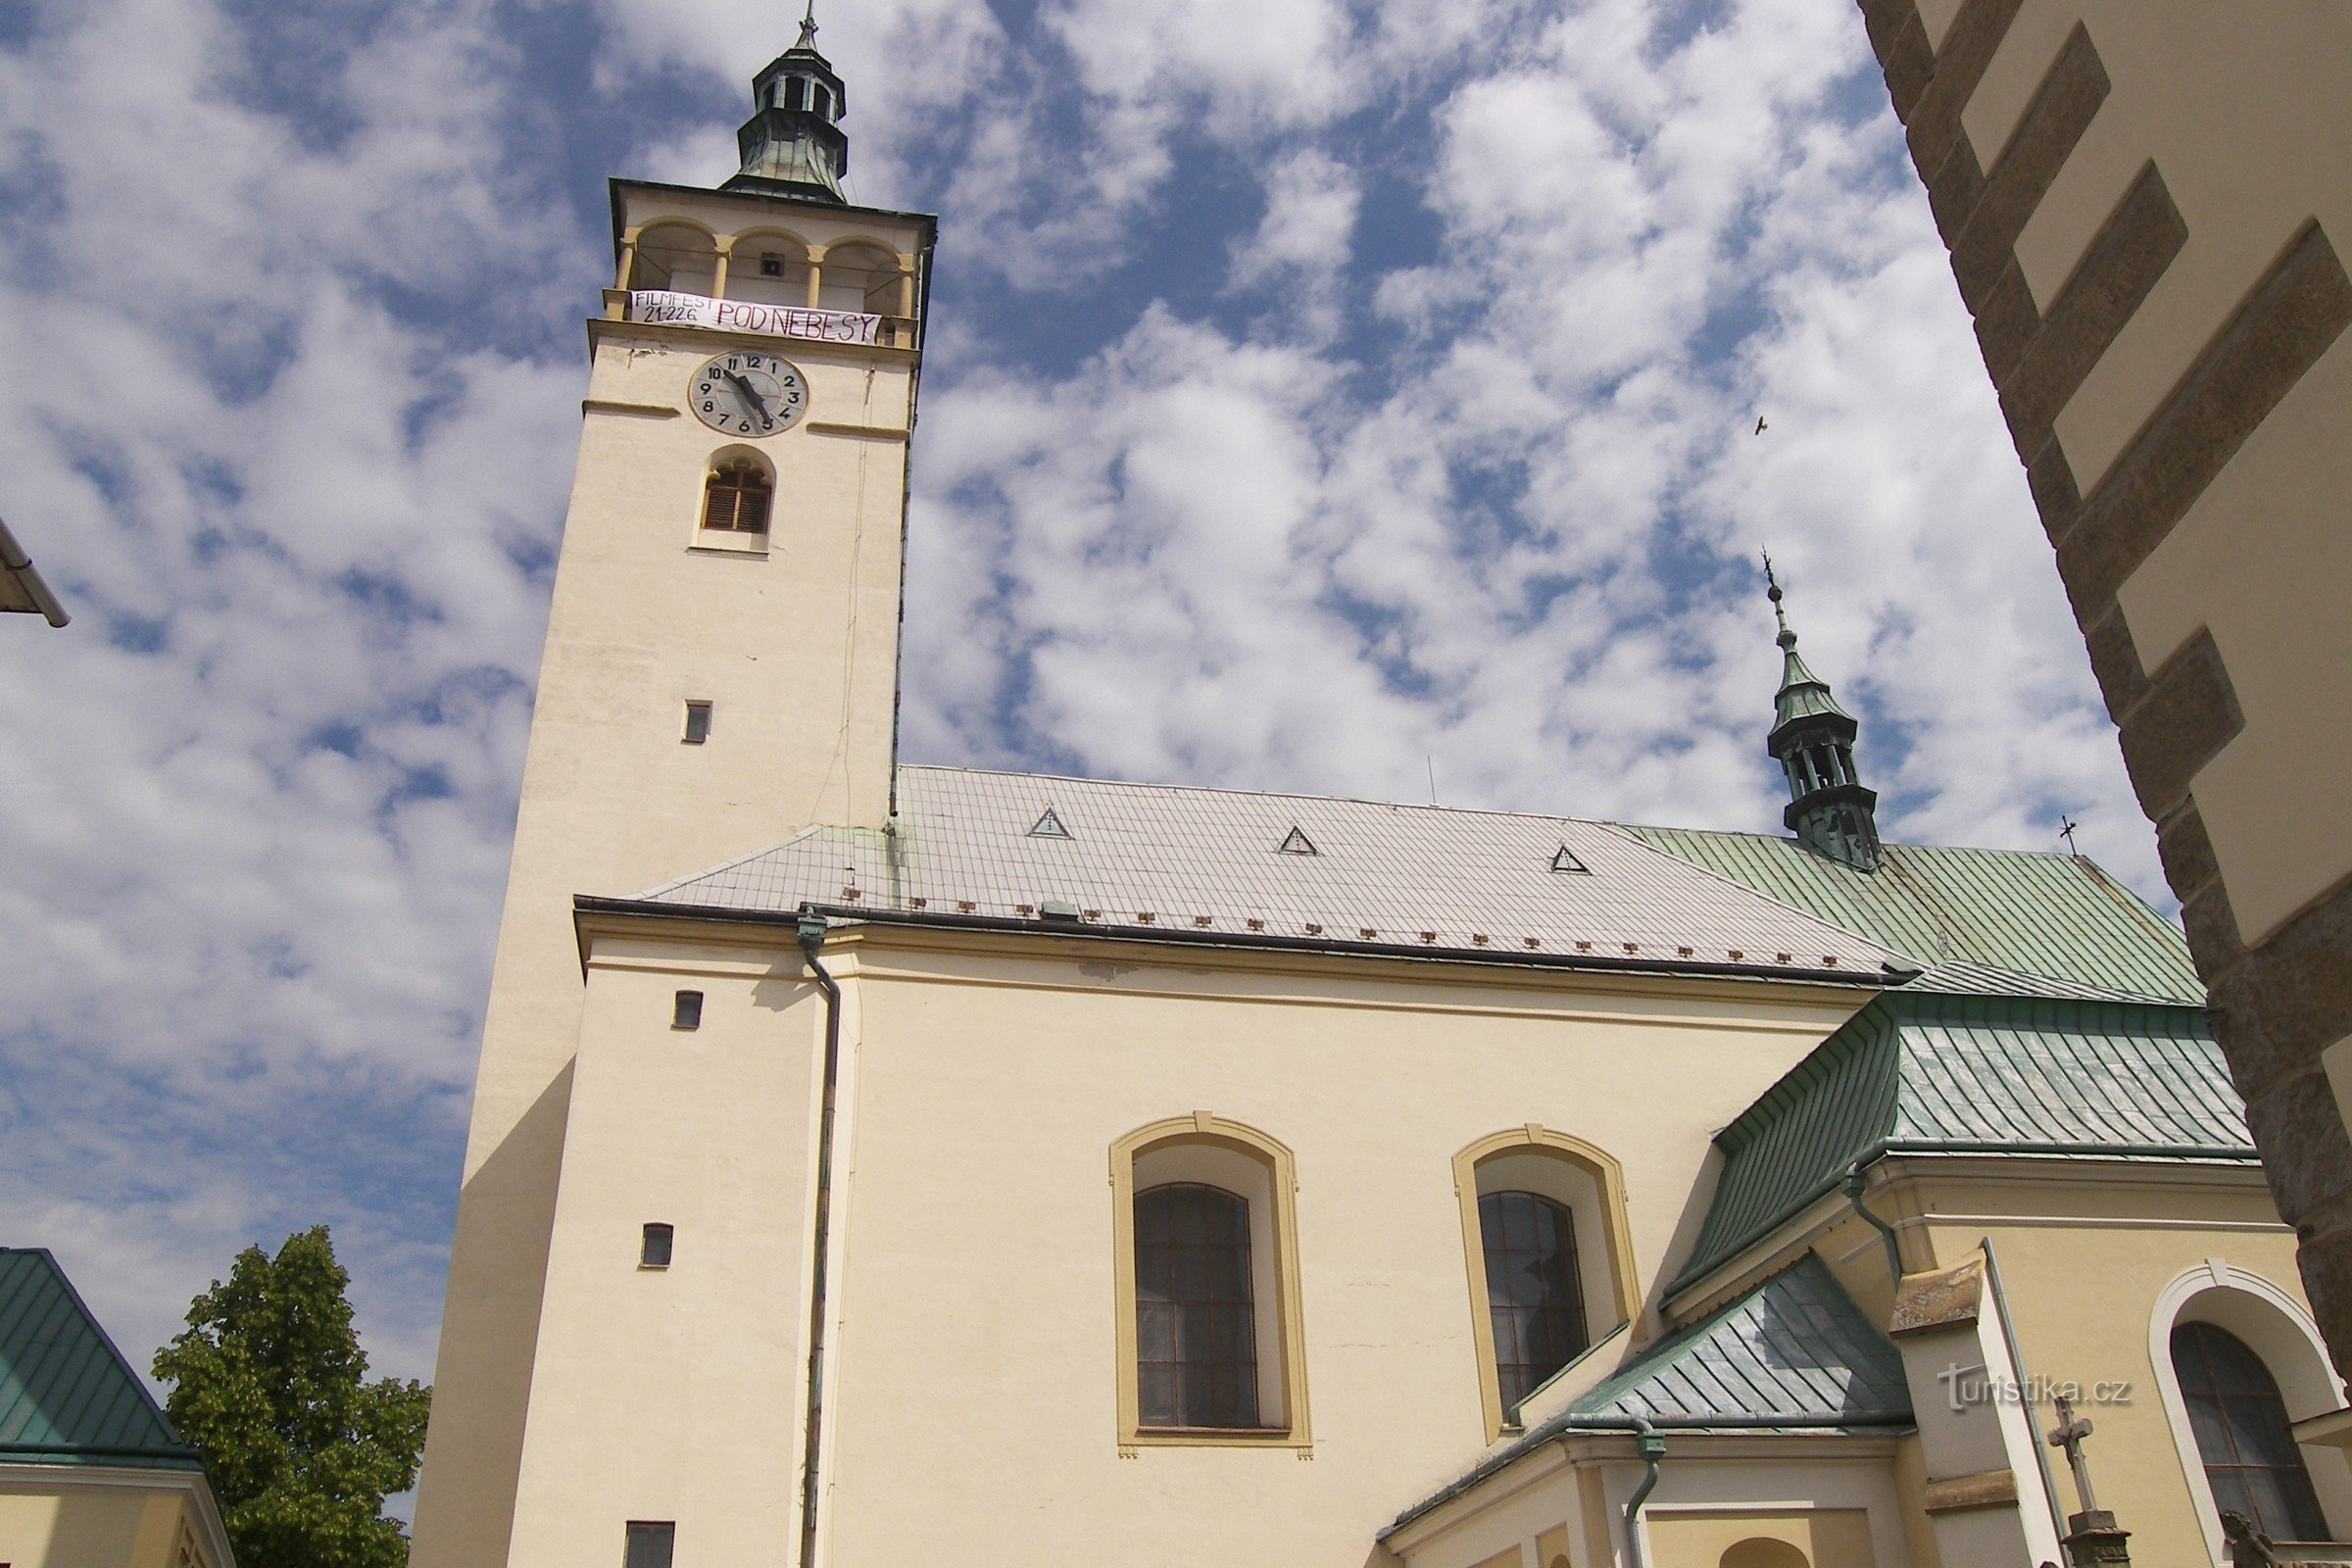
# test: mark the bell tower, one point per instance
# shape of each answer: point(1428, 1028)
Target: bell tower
point(1813, 740)
point(792, 144)
point(719, 672)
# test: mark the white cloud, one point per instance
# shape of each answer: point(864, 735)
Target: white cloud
point(255, 811)
point(1307, 237)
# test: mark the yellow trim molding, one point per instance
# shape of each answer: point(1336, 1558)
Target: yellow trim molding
point(1201, 1128)
point(1617, 1241)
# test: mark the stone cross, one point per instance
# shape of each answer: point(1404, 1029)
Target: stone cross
point(2068, 1435)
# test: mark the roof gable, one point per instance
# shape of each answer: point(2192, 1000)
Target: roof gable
point(67, 1394)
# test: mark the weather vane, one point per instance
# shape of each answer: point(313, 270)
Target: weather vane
point(2066, 831)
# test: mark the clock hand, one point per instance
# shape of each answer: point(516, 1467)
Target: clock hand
point(749, 393)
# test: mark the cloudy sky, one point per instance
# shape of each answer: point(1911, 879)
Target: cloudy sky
point(1321, 393)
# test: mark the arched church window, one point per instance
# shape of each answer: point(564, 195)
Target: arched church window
point(2242, 1433)
point(1535, 1292)
point(1196, 1319)
point(736, 499)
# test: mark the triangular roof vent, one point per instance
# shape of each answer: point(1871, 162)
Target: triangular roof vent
point(1048, 826)
point(1297, 844)
point(1566, 860)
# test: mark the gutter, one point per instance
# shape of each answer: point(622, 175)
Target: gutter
point(812, 939)
point(17, 565)
point(1179, 936)
point(160, 1457)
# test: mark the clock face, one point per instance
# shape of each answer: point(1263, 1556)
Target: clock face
point(748, 393)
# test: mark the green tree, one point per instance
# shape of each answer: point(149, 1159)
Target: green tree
point(269, 1383)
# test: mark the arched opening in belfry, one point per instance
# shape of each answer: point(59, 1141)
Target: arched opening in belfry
point(673, 256)
point(860, 277)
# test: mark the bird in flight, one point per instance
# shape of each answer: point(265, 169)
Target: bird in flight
point(1759, 424)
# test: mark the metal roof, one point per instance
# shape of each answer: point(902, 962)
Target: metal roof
point(1802, 694)
point(1930, 1069)
point(67, 1394)
point(1794, 1353)
point(1143, 858)
point(2057, 916)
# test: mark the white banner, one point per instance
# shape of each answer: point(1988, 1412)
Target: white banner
point(741, 315)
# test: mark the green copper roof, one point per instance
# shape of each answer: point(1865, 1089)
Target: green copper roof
point(1923, 1069)
point(2057, 916)
point(1802, 694)
point(1794, 1353)
point(66, 1396)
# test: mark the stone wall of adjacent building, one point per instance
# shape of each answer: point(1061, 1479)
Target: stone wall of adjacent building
point(2147, 204)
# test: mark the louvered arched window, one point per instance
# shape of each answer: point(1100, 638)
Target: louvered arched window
point(737, 497)
point(2244, 1435)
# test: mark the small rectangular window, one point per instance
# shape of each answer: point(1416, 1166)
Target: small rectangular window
point(649, 1543)
point(687, 1012)
point(698, 723)
point(653, 1251)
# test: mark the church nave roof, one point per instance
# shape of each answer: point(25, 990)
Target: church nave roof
point(1236, 866)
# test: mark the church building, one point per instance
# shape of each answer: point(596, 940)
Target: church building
point(875, 1163)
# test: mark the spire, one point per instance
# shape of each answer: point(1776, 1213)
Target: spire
point(793, 145)
point(1813, 740)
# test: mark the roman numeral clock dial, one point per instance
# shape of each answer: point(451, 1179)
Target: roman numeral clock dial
point(749, 394)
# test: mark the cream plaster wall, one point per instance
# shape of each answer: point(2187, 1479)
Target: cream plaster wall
point(796, 649)
point(971, 1393)
point(1713, 1491)
point(2082, 1296)
point(65, 1521)
point(2210, 93)
point(1838, 1538)
point(676, 1392)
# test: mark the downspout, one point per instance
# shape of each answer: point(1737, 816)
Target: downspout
point(1853, 1195)
point(1654, 1454)
point(812, 939)
point(2025, 1387)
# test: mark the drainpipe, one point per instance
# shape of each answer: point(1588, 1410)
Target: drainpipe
point(1654, 1454)
point(1853, 1195)
point(812, 940)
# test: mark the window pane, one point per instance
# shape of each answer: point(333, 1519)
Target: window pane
point(1156, 1385)
point(1197, 1363)
point(650, 1545)
point(2241, 1425)
point(653, 1251)
point(1535, 1294)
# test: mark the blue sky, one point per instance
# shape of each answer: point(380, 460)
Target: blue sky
point(1318, 393)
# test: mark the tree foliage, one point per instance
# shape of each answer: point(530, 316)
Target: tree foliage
point(269, 1383)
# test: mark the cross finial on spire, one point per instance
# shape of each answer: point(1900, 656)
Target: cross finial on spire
point(807, 28)
point(1772, 591)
